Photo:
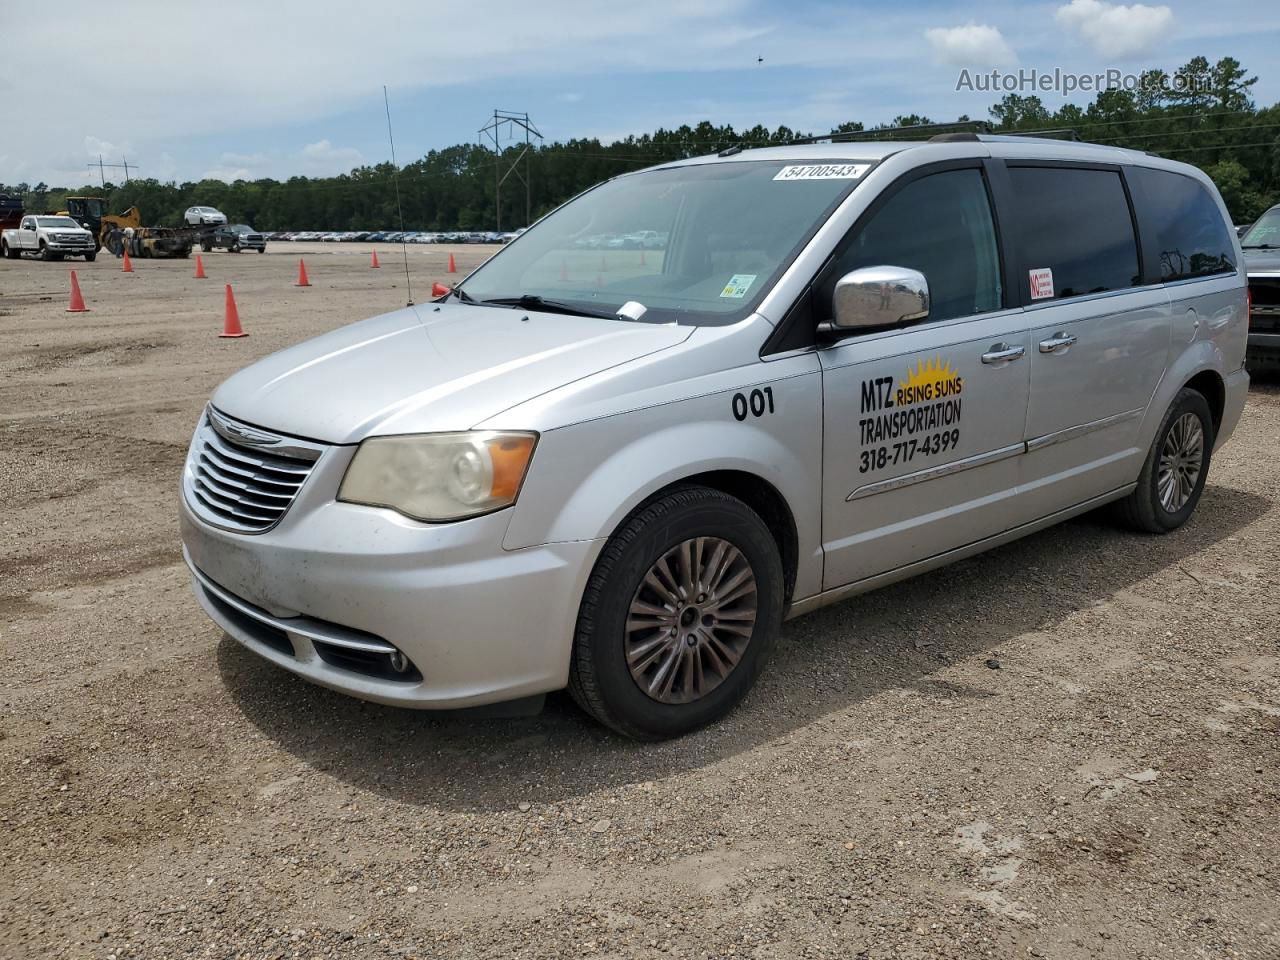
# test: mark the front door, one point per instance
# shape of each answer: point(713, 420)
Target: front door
point(923, 426)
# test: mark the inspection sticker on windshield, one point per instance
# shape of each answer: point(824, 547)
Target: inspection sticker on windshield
point(823, 171)
point(738, 285)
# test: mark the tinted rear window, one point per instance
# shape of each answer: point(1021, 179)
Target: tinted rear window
point(1190, 237)
point(1077, 224)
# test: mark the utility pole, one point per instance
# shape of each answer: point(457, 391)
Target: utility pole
point(509, 126)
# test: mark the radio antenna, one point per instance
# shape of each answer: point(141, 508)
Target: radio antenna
point(395, 178)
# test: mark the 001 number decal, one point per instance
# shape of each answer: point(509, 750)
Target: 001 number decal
point(757, 403)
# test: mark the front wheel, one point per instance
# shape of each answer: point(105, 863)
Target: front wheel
point(678, 616)
point(1176, 467)
point(45, 254)
point(90, 257)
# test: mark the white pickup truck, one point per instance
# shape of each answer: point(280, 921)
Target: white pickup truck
point(50, 238)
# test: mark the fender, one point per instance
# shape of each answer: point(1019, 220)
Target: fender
point(587, 477)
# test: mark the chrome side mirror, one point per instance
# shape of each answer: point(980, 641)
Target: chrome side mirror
point(880, 297)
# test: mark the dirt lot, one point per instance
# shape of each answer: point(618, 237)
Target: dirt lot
point(1069, 747)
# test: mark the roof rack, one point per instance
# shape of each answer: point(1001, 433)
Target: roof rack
point(899, 133)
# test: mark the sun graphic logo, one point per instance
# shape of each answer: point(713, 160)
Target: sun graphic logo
point(930, 380)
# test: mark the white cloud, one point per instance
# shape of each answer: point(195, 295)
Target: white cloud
point(244, 159)
point(569, 97)
point(227, 174)
point(324, 155)
point(1116, 30)
point(973, 45)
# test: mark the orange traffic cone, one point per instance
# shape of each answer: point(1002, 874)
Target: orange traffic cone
point(200, 268)
point(453, 267)
point(440, 290)
point(373, 261)
point(302, 275)
point(77, 301)
point(128, 264)
point(231, 324)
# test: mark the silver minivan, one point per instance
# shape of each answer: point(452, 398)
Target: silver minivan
point(619, 470)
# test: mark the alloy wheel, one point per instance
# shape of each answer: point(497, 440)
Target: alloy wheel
point(1181, 460)
point(690, 620)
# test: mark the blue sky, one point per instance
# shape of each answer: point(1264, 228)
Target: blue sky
point(295, 87)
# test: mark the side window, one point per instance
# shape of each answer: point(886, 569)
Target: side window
point(1185, 226)
point(1075, 231)
point(940, 225)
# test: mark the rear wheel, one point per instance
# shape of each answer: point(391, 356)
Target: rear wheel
point(9, 254)
point(1173, 475)
point(679, 615)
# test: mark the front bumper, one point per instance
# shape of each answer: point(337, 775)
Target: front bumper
point(479, 623)
point(1264, 342)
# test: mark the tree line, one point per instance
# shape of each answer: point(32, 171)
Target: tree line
point(1210, 120)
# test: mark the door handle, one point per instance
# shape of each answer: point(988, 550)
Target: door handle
point(1059, 341)
point(1002, 353)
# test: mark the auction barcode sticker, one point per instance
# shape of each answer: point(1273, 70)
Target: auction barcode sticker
point(823, 171)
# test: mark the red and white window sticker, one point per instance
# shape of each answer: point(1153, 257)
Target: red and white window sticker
point(1041, 283)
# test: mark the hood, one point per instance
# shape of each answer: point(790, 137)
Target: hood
point(429, 368)
point(1262, 261)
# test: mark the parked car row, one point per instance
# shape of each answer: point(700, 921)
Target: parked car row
point(393, 236)
point(639, 240)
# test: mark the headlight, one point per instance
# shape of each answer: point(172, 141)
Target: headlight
point(439, 476)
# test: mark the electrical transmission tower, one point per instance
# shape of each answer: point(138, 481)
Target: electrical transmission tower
point(510, 129)
point(102, 171)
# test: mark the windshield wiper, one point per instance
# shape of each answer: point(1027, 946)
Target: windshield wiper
point(531, 301)
point(1261, 246)
point(463, 295)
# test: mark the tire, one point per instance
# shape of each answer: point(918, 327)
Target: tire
point(44, 253)
point(90, 257)
point(235, 248)
point(262, 249)
point(600, 679)
point(1145, 509)
point(9, 254)
point(206, 247)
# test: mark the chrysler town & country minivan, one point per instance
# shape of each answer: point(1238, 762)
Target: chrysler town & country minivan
point(619, 471)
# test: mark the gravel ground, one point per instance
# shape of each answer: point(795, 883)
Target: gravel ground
point(1065, 748)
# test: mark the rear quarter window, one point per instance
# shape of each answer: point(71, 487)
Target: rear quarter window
point(1184, 225)
point(1077, 224)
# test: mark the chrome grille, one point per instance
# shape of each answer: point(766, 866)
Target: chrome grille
point(244, 478)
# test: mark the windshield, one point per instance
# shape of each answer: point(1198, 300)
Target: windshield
point(693, 244)
point(57, 222)
point(1266, 232)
